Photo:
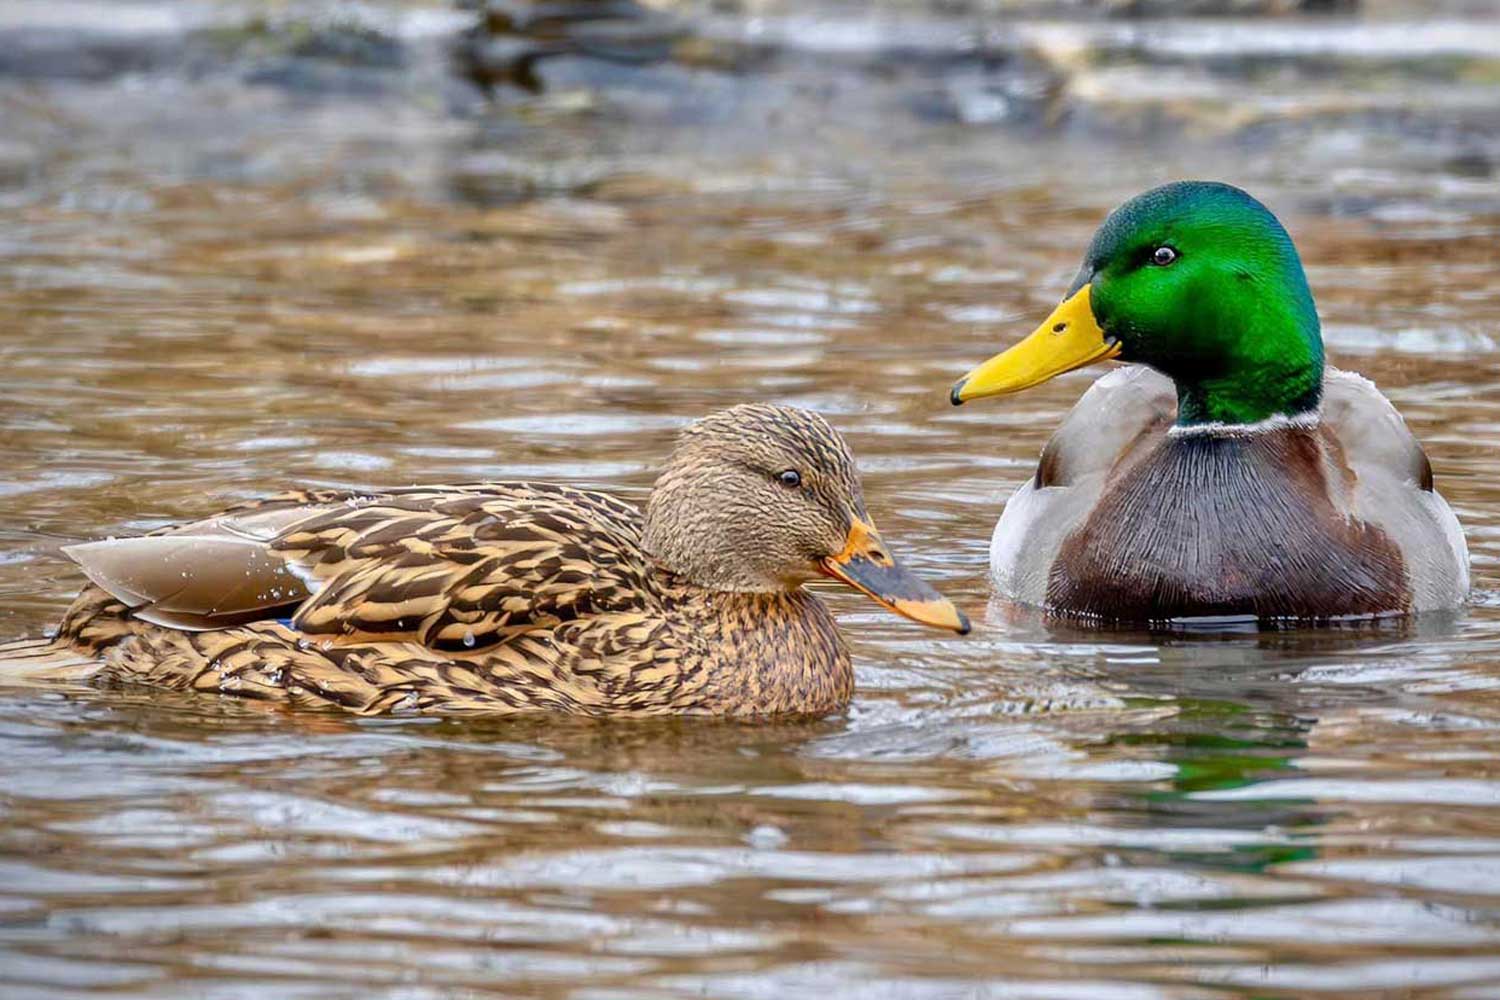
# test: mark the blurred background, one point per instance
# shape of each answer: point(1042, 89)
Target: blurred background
point(245, 245)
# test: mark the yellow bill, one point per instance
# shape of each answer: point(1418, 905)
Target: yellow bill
point(1069, 338)
point(867, 565)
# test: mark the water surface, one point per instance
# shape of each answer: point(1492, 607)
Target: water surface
point(220, 278)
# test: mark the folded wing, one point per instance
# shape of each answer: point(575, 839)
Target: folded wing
point(451, 568)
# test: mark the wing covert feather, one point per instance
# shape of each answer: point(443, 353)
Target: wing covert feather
point(466, 567)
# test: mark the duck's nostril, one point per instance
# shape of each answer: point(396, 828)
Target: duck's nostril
point(1059, 327)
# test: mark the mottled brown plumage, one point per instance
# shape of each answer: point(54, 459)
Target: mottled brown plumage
point(504, 597)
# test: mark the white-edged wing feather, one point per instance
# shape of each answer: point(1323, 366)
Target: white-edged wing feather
point(205, 575)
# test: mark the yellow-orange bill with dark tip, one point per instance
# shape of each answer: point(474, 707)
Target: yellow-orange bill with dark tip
point(1069, 338)
point(866, 565)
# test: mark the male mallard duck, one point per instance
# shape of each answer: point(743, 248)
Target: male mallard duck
point(1233, 475)
point(502, 597)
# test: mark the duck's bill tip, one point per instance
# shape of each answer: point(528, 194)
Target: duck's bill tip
point(925, 607)
point(941, 613)
point(868, 568)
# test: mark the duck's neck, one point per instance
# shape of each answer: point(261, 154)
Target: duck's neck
point(769, 654)
point(1250, 397)
point(1266, 360)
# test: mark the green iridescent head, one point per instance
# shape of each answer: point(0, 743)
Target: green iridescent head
point(1199, 281)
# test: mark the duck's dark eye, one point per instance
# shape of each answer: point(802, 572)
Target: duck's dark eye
point(1162, 256)
point(790, 478)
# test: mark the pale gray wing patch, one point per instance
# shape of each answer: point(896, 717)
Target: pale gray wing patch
point(1392, 489)
point(197, 581)
point(1370, 429)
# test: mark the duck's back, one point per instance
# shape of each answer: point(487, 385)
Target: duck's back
point(1129, 518)
point(449, 567)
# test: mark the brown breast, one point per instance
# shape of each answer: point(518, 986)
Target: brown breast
point(1227, 525)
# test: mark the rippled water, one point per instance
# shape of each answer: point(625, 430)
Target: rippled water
point(213, 287)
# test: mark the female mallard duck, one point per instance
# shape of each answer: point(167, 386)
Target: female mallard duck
point(502, 597)
point(1234, 475)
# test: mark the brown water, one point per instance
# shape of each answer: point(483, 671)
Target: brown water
point(212, 287)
